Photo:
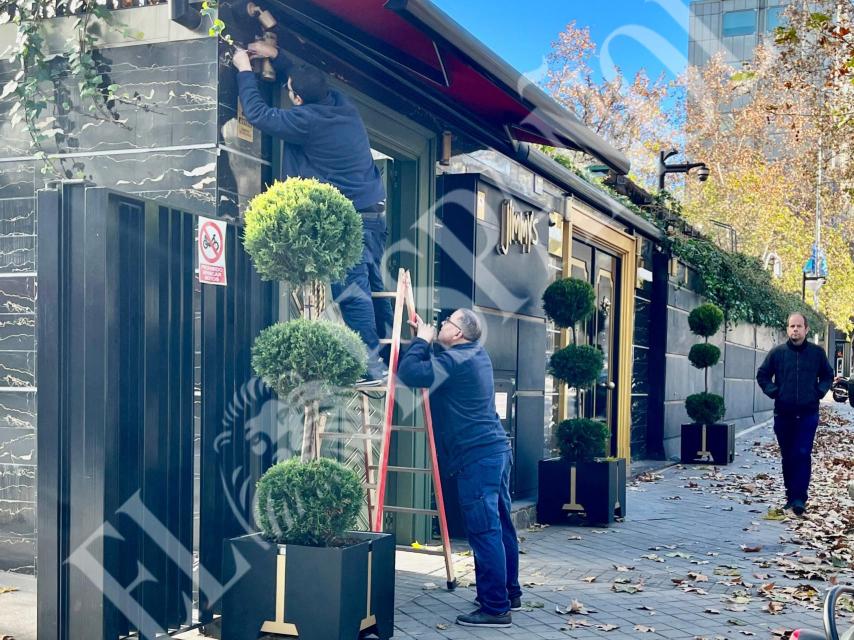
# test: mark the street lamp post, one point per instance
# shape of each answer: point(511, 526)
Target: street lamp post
point(664, 168)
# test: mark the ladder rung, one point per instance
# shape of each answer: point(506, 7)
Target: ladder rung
point(389, 341)
point(371, 486)
point(422, 512)
point(351, 436)
point(384, 294)
point(405, 469)
point(395, 427)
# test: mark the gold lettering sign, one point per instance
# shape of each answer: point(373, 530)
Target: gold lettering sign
point(517, 227)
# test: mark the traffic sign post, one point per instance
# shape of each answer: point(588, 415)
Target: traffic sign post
point(211, 250)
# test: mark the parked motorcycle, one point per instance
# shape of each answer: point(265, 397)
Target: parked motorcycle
point(839, 389)
point(831, 610)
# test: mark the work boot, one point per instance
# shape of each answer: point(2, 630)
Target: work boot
point(479, 618)
point(799, 507)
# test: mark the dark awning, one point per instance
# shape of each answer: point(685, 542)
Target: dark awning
point(416, 37)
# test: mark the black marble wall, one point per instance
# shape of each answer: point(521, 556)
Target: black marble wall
point(175, 140)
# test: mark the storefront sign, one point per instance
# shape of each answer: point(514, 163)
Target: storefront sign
point(517, 227)
point(245, 131)
point(211, 248)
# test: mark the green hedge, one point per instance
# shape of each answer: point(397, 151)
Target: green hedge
point(705, 408)
point(569, 301)
point(308, 503)
point(289, 354)
point(577, 366)
point(581, 439)
point(704, 355)
point(302, 230)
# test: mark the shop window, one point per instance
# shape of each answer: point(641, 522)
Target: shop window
point(739, 23)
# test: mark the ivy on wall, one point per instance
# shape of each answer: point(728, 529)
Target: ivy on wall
point(734, 281)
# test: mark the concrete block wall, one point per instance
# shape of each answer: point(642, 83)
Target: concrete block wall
point(743, 347)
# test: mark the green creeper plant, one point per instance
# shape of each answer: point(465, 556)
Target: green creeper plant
point(704, 321)
point(308, 503)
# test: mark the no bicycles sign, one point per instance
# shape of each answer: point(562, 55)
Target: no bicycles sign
point(211, 247)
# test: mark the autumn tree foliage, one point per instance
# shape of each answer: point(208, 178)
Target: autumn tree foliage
point(630, 113)
point(759, 128)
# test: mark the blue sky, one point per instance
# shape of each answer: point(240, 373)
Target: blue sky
point(649, 34)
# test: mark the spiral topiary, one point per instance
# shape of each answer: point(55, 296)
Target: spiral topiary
point(704, 355)
point(705, 408)
point(569, 301)
point(577, 365)
point(302, 230)
point(581, 439)
point(705, 320)
point(289, 354)
point(308, 503)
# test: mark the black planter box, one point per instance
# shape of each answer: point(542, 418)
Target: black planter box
point(720, 444)
point(600, 491)
point(318, 593)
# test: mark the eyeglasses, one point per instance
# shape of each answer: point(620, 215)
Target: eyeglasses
point(452, 323)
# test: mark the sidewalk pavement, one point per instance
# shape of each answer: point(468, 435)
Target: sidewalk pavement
point(675, 568)
point(680, 555)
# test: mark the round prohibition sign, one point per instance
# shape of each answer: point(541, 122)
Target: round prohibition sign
point(210, 243)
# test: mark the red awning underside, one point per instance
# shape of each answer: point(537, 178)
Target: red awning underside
point(468, 86)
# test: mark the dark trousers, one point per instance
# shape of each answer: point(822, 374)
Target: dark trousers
point(484, 492)
point(368, 317)
point(795, 435)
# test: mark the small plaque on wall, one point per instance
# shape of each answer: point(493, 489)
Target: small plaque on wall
point(501, 404)
point(245, 131)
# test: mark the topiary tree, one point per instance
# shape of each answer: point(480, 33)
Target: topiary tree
point(301, 230)
point(568, 302)
point(305, 233)
point(705, 408)
point(307, 503)
point(582, 440)
point(308, 355)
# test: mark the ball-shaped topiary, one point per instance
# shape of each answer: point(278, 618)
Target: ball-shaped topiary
point(581, 439)
point(288, 354)
point(569, 301)
point(302, 230)
point(705, 408)
point(308, 503)
point(705, 320)
point(704, 355)
point(576, 365)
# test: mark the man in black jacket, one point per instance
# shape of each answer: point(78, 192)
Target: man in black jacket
point(474, 449)
point(796, 375)
point(326, 139)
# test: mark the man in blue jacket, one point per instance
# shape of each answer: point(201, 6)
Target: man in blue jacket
point(473, 448)
point(796, 374)
point(326, 139)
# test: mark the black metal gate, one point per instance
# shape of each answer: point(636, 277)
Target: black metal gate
point(138, 428)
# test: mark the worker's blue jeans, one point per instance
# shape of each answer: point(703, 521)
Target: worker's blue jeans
point(484, 492)
point(370, 318)
point(795, 435)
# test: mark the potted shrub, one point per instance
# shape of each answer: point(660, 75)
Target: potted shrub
point(306, 573)
point(305, 233)
point(582, 479)
point(706, 439)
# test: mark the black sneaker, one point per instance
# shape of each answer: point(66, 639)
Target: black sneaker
point(515, 603)
point(373, 381)
point(479, 618)
point(798, 507)
point(788, 505)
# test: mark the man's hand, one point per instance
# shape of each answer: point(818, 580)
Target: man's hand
point(263, 49)
point(241, 60)
point(424, 331)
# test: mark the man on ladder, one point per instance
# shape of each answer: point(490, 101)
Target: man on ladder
point(473, 449)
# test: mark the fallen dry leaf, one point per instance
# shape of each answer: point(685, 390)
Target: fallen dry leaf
point(607, 627)
point(589, 579)
point(751, 548)
point(773, 607)
point(644, 629)
point(441, 626)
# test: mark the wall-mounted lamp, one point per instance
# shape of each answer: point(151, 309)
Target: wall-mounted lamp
point(447, 139)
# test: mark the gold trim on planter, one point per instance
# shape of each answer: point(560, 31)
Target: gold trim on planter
point(282, 628)
point(572, 505)
point(704, 453)
point(591, 229)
